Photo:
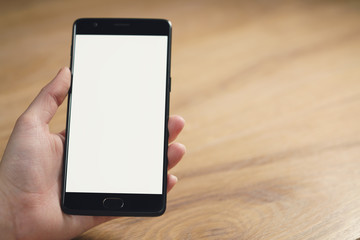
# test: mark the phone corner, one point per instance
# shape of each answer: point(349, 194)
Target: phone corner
point(164, 22)
point(78, 20)
point(162, 210)
point(64, 209)
point(169, 23)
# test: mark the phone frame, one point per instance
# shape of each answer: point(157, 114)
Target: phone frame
point(134, 204)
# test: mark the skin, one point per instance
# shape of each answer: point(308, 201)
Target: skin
point(31, 171)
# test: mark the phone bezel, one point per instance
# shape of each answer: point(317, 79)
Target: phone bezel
point(134, 204)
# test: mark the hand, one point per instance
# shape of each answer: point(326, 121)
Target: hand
point(31, 171)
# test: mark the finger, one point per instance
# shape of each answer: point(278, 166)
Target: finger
point(62, 136)
point(175, 152)
point(171, 181)
point(51, 96)
point(62, 133)
point(175, 125)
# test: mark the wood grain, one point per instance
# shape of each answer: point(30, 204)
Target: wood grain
point(270, 91)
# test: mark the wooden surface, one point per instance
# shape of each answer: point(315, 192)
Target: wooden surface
point(270, 91)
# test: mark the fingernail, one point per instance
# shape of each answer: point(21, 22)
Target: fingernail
point(182, 118)
point(175, 178)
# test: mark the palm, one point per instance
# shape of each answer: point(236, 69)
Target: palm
point(35, 174)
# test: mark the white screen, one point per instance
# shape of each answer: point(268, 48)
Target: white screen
point(116, 139)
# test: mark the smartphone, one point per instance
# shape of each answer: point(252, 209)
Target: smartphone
point(115, 161)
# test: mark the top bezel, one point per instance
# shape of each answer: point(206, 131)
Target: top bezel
point(122, 26)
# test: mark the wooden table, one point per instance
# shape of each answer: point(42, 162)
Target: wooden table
point(270, 91)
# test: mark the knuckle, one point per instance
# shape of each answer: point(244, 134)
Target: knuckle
point(26, 119)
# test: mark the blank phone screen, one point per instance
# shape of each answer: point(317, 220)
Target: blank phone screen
point(116, 122)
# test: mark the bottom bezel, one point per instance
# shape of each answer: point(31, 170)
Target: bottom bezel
point(134, 204)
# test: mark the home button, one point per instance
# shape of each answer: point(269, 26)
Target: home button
point(113, 203)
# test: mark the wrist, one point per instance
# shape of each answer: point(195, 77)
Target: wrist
point(7, 226)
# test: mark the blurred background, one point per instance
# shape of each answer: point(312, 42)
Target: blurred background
point(270, 91)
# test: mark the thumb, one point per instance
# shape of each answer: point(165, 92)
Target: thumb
point(51, 97)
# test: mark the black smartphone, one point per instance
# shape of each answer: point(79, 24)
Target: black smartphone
point(115, 161)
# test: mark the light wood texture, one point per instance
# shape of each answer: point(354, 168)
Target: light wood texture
point(270, 91)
